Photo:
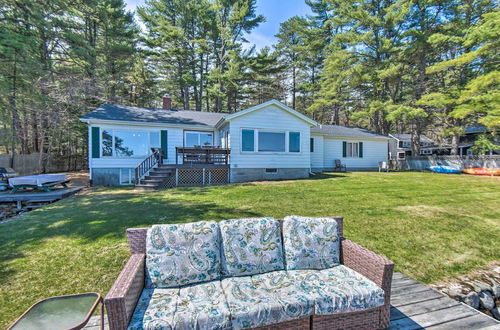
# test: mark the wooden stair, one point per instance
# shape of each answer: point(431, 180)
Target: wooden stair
point(155, 179)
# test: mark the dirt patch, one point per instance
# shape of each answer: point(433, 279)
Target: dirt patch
point(423, 211)
point(79, 179)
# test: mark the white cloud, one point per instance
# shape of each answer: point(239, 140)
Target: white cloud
point(259, 40)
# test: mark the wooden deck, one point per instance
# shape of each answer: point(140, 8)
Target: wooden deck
point(39, 196)
point(416, 306)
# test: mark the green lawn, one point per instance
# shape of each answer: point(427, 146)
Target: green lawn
point(432, 226)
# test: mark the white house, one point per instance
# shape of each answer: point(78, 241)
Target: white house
point(400, 146)
point(357, 148)
point(266, 141)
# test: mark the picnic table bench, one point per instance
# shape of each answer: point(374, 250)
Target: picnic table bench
point(41, 181)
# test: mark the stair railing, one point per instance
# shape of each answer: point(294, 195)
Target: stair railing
point(147, 164)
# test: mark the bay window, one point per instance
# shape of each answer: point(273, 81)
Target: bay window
point(254, 140)
point(128, 144)
point(271, 141)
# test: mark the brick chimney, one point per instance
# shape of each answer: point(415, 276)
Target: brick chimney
point(167, 102)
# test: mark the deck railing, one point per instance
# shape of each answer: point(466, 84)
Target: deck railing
point(203, 155)
point(147, 164)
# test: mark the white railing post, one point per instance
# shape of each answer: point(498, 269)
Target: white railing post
point(176, 177)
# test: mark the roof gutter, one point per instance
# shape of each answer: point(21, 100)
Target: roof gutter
point(135, 123)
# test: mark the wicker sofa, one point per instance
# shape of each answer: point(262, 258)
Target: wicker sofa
point(299, 273)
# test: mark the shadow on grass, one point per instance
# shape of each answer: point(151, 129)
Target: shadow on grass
point(104, 214)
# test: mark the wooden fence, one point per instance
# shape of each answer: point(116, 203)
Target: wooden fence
point(37, 163)
point(423, 162)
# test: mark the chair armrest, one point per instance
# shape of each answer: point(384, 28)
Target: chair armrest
point(373, 266)
point(123, 295)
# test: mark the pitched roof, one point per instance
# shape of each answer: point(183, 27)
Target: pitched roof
point(475, 129)
point(276, 103)
point(407, 137)
point(346, 131)
point(125, 113)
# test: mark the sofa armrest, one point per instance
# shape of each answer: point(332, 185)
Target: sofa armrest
point(124, 294)
point(375, 267)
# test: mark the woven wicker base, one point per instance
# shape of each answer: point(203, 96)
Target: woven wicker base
point(366, 320)
point(299, 324)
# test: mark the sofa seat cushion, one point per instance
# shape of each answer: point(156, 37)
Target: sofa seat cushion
point(310, 243)
point(182, 254)
point(256, 301)
point(251, 246)
point(202, 306)
point(155, 309)
point(338, 289)
point(199, 306)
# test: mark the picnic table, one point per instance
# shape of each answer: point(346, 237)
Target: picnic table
point(40, 181)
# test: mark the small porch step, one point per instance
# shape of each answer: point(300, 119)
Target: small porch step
point(155, 179)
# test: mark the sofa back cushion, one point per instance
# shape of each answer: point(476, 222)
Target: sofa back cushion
point(310, 243)
point(251, 246)
point(181, 254)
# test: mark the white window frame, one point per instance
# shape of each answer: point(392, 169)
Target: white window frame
point(404, 155)
point(130, 176)
point(256, 141)
point(350, 148)
point(426, 152)
point(113, 130)
point(199, 134)
point(275, 172)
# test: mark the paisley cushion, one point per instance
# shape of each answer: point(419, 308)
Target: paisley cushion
point(310, 243)
point(202, 306)
point(199, 306)
point(338, 289)
point(155, 309)
point(251, 246)
point(182, 254)
point(253, 303)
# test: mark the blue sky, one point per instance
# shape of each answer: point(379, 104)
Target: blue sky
point(275, 12)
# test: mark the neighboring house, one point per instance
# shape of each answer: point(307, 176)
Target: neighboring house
point(267, 141)
point(400, 146)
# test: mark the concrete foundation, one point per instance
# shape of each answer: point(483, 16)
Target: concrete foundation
point(106, 177)
point(260, 174)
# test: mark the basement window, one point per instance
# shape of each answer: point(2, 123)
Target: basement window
point(271, 171)
point(126, 176)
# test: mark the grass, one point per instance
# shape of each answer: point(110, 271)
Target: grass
point(432, 226)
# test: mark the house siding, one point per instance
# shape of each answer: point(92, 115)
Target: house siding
point(374, 151)
point(317, 157)
point(270, 118)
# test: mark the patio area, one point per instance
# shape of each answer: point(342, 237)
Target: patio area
point(415, 306)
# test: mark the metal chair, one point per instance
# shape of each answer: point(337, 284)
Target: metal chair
point(339, 166)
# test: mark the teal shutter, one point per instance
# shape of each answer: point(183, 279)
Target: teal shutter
point(164, 143)
point(360, 149)
point(344, 149)
point(311, 147)
point(96, 142)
